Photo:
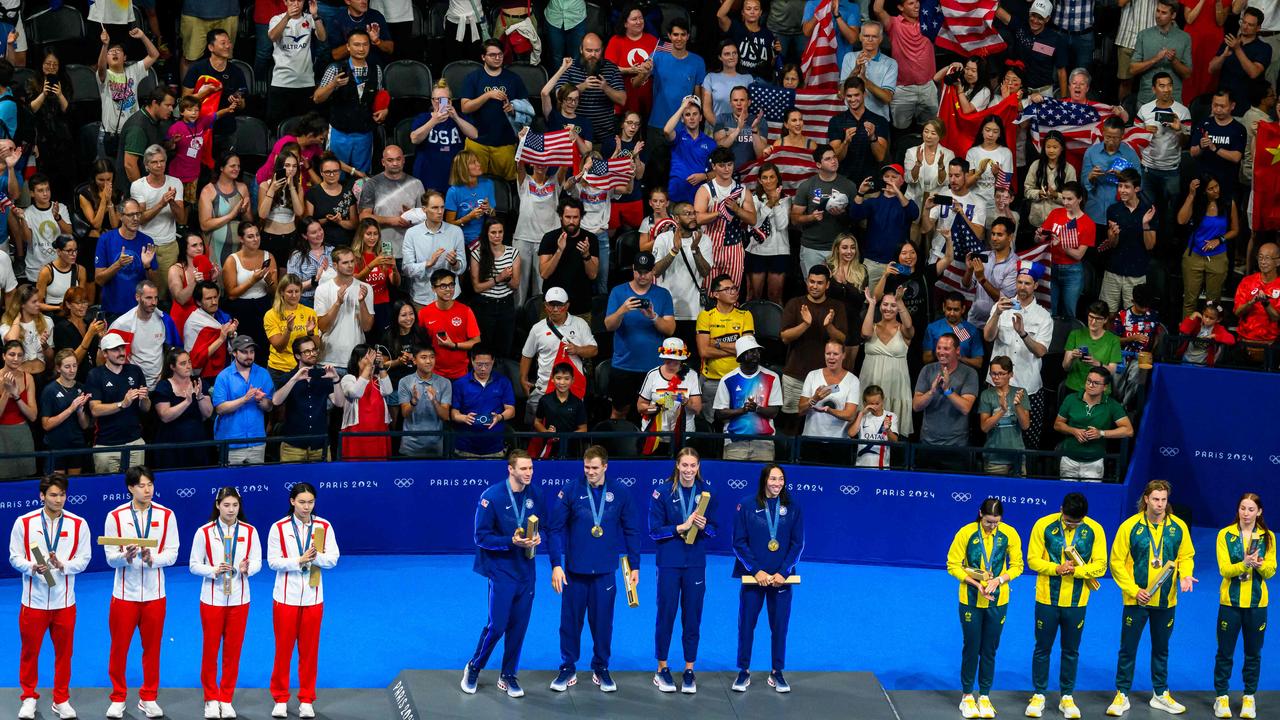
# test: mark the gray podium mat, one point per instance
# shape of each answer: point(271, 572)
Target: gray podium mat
point(435, 694)
point(943, 705)
point(188, 704)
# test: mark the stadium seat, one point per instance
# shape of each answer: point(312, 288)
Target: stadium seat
point(456, 72)
point(1061, 329)
point(597, 22)
point(767, 317)
point(84, 85)
point(628, 243)
point(600, 379)
point(407, 80)
point(670, 11)
point(253, 141)
point(401, 138)
point(249, 78)
point(65, 24)
point(26, 79)
point(534, 77)
point(148, 83)
point(88, 146)
point(618, 447)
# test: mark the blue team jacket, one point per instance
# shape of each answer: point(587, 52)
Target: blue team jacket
point(665, 514)
point(751, 539)
point(496, 557)
point(572, 545)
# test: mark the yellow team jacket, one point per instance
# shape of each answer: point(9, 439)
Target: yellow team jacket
point(1244, 587)
point(1133, 551)
point(1004, 550)
point(1048, 539)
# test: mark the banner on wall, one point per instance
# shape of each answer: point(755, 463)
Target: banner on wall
point(852, 515)
point(1210, 433)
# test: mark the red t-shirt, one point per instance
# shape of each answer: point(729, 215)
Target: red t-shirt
point(264, 10)
point(626, 53)
point(912, 50)
point(1255, 324)
point(459, 324)
point(1080, 232)
point(378, 279)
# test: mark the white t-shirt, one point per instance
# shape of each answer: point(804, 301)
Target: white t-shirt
point(542, 345)
point(985, 188)
point(345, 333)
point(292, 53)
point(395, 11)
point(537, 209)
point(656, 389)
point(44, 230)
point(146, 350)
point(163, 228)
point(118, 93)
point(597, 205)
point(944, 215)
point(1037, 323)
point(685, 289)
point(31, 337)
point(823, 425)
point(7, 280)
point(874, 428)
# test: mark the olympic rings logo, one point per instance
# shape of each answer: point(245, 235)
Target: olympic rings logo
point(849, 489)
point(78, 499)
point(737, 484)
point(1169, 451)
point(961, 496)
point(289, 486)
point(186, 493)
point(404, 483)
point(628, 481)
point(1275, 459)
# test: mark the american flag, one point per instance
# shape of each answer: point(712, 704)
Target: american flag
point(952, 277)
point(818, 63)
point(612, 174)
point(960, 331)
point(967, 27)
point(553, 148)
point(795, 165)
point(729, 237)
point(1080, 123)
point(819, 106)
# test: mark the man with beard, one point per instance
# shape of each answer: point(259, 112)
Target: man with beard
point(640, 315)
point(569, 258)
point(206, 330)
point(600, 83)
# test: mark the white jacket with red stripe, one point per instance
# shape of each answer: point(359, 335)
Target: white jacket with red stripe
point(73, 547)
point(208, 551)
point(292, 587)
point(138, 581)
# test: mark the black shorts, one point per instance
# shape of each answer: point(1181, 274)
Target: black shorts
point(624, 387)
point(768, 264)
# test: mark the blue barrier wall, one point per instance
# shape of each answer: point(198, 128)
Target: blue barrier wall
point(1213, 434)
point(410, 507)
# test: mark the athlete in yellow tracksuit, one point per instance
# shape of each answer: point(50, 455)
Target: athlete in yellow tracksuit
point(990, 548)
point(1246, 559)
point(1062, 593)
point(1143, 545)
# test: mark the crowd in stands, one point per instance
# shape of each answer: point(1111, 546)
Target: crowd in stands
point(385, 260)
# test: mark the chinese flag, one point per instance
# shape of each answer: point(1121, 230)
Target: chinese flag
point(1266, 177)
point(962, 127)
point(208, 106)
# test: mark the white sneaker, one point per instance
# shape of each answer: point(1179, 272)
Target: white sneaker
point(1118, 706)
point(227, 710)
point(985, 708)
point(28, 709)
point(280, 710)
point(116, 710)
point(1067, 706)
point(63, 711)
point(1222, 706)
point(150, 708)
point(306, 711)
point(211, 710)
point(1035, 708)
point(1248, 708)
point(1165, 702)
point(968, 708)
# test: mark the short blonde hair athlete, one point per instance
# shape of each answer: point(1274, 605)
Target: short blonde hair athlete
point(1247, 560)
point(1144, 543)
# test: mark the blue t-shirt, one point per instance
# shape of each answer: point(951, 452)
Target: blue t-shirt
point(118, 293)
point(469, 396)
point(343, 25)
point(636, 341)
point(489, 119)
point(462, 199)
point(246, 421)
point(689, 155)
point(970, 345)
point(434, 156)
point(673, 79)
point(9, 114)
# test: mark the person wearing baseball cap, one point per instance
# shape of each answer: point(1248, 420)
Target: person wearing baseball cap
point(747, 401)
point(242, 398)
point(1044, 51)
point(640, 315)
point(559, 337)
point(889, 217)
point(120, 398)
point(1021, 329)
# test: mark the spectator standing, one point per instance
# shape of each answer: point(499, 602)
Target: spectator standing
point(915, 97)
point(306, 397)
point(539, 192)
point(470, 198)
point(757, 46)
point(808, 323)
point(691, 150)
point(344, 309)
point(310, 261)
point(1205, 19)
point(683, 266)
point(359, 16)
point(39, 226)
point(1102, 164)
point(1131, 236)
point(18, 406)
point(786, 22)
point(1088, 419)
point(820, 207)
point(205, 335)
point(487, 97)
point(495, 274)
point(78, 333)
point(1135, 16)
point(990, 162)
point(366, 388)
point(451, 326)
point(1091, 346)
point(424, 399)
point(141, 131)
point(242, 398)
point(191, 267)
point(631, 49)
point(123, 257)
point(952, 321)
point(1021, 330)
point(118, 87)
point(847, 16)
point(676, 75)
point(926, 163)
point(1170, 124)
point(1070, 233)
point(163, 208)
point(889, 215)
point(438, 135)
point(748, 399)
point(728, 212)
point(23, 321)
point(1046, 178)
point(569, 258)
point(374, 267)
point(333, 205)
point(1242, 57)
point(293, 80)
point(669, 394)
point(224, 204)
point(768, 260)
point(249, 276)
point(385, 197)
point(186, 136)
point(884, 363)
point(286, 322)
point(566, 26)
point(198, 20)
point(945, 393)
point(848, 286)
point(717, 87)
point(64, 412)
point(829, 396)
point(601, 85)
point(640, 315)
point(1045, 52)
point(859, 136)
point(558, 338)
point(482, 405)
point(1004, 416)
point(432, 245)
point(1214, 222)
point(182, 405)
point(1136, 325)
point(959, 217)
point(357, 103)
point(878, 71)
point(120, 399)
point(232, 84)
point(1219, 141)
point(1164, 47)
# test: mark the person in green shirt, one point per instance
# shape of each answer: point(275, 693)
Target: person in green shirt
point(1088, 419)
point(1004, 412)
point(1103, 347)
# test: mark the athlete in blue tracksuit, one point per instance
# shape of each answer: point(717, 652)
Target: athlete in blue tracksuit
point(501, 517)
point(593, 522)
point(768, 537)
point(682, 568)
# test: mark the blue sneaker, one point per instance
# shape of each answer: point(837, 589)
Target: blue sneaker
point(664, 681)
point(568, 676)
point(470, 677)
point(779, 683)
point(688, 684)
point(743, 682)
point(511, 686)
point(601, 677)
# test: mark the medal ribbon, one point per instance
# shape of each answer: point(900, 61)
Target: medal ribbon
point(147, 529)
point(684, 507)
point(1155, 550)
point(235, 533)
point(596, 516)
point(517, 507)
point(297, 535)
point(51, 545)
point(773, 518)
point(982, 545)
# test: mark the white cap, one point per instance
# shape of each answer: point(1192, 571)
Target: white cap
point(673, 349)
point(1043, 8)
point(745, 343)
point(556, 295)
point(111, 341)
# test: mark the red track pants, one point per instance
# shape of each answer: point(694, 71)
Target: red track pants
point(61, 626)
point(300, 626)
point(223, 626)
point(148, 618)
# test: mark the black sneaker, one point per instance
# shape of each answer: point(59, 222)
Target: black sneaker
point(743, 682)
point(688, 684)
point(470, 678)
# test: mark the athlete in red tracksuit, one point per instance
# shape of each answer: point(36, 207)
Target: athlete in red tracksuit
point(65, 542)
point(298, 607)
point(138, 591)
point(226, 552)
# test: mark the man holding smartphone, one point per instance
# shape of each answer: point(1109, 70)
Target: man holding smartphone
point(306, 398)
point(1170, 124)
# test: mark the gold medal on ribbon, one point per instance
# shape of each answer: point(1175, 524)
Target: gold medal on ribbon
point(597, 531)
point(773, 546)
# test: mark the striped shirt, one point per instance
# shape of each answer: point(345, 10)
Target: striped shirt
point(594, 104)
point(501, 290)
point(1135, 17)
